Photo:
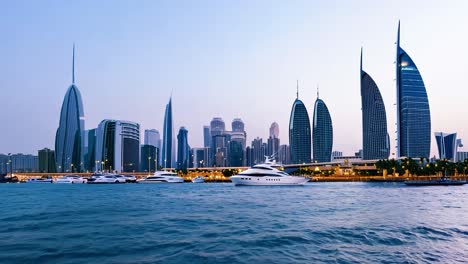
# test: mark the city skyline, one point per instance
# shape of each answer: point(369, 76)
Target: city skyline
point(104, 81)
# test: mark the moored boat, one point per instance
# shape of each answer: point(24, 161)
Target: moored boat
point(162, 177)
point(198, 179)
point(444, 181)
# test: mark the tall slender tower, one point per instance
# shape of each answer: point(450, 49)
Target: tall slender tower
point(375, 139)
point(413, 113)
point(167, 153)
point(299, 132)
point(322, 132)
point(71, 126)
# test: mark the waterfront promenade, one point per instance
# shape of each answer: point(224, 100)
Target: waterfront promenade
point(218, 176)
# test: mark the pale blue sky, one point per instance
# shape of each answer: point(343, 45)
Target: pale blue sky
point(223, 58)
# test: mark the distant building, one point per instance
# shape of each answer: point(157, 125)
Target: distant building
point(462, 156)
point(183, 149)
point(447, 145)
point(274, 130)
point(322, 132)
point(168, 144)
point(153, 138)
point(47, 161)
point(238, 125)
point(217, 126)
point(118, 146)
point(413, 113)
point(258, 151)
point(24, 163)
point(89, 150)
point(148, 158)
point(68, 145)
point(284, 155)
point(219, 148)
point(299, 133)
point(200, 156)
point(206, 136)
point(336, 154)
point(376, 142)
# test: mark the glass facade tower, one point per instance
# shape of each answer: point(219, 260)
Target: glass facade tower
point(168, 151)
point(322, 132)
point(299, 133)
point(68, 145)
point(413, 113)
point(375, 139)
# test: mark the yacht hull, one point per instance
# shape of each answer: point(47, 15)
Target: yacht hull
point(268, 181)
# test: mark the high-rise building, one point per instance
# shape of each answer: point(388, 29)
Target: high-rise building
point(258, 151)
point(236, 153)
point(375, 139)
point(322, 132)
point(447, 145)
point(273, 146)
point(89, 150)
point(284, 154)
point(183, 149)
point(200, 156)
point(152, 138)
point(237, 125)
point(413, 113)
point(148, 158)
point(274, 130)
point(168, 146)
point(299, 133)
point(47, 161)
point(206, 136)
point(68, 145)
point(118, 146)
point(220, 147)
point(217, 126)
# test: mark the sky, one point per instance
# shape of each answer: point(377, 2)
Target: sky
point(229, 59)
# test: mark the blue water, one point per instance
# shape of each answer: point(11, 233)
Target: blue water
point(220, 223)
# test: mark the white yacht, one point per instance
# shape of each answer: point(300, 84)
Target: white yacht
point(267, 174)
point(40, 180)
point(72, 179)
point(162, 177)
point(198, 179)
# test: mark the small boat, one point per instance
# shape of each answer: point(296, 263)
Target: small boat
point(444, 181)
point(267, 174)
point(162, 177)
point(105, 179)
point(40, 180)
point(198, 179)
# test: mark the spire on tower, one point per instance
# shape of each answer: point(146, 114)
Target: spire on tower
point(297, 89)
point(73, 65)
point(318, 92)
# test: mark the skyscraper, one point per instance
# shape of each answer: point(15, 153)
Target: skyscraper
point(206, 136)
point(71, 125)
point(89, 150)
point(413, 113)
point(375, 139)
point(148, 157)
point(118, 145)
point(322, 132)
point(237, 125)
point(152, 138)
point(447, 144)
point(273, 140)
point(299, 133)
point(217, 126)
point(183, 149)
point(274, 130)
point(168, 151)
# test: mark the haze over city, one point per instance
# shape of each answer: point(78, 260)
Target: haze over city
point(227, 59)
